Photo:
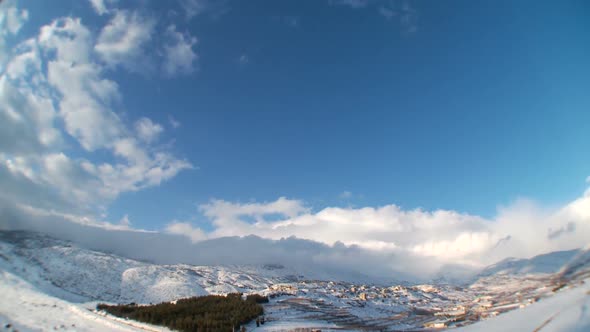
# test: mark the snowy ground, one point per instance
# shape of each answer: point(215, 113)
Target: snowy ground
point(568, 310)
point(25, 308)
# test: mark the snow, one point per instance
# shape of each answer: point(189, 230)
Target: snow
point(63, 270)
point(547, 263)
point(28, 309)
point(566, 311)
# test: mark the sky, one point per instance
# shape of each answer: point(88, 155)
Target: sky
point(450, 130)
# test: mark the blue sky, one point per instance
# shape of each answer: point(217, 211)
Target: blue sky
point(433, 105)
point(478, 106)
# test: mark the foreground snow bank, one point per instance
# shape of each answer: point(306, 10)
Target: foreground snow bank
point(27, 309)
point(568, 310)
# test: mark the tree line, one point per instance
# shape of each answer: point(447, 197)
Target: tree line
point(204, 313)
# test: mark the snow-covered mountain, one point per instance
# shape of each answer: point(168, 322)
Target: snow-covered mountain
point(76, 274)
point(546, 263)
point(37, 270)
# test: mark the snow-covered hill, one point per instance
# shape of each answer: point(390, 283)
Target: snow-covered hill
point(76, 274)
point(23, 307)
point(566, 311)
point(546, 263)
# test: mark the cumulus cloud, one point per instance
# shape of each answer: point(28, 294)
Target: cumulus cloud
point(56, 103)
point(228, 217)
point(386, 227)
point(147, 130)
point(123, 40)
point(179, 56)
point(87, 97)
point(11, 21)
point(26, 121)
point(447, 236)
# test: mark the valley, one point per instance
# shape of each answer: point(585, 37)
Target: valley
point(66, 277)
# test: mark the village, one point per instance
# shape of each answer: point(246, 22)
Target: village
point(390, 308)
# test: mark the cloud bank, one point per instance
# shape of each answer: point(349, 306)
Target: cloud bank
point(522, 229)
point(386, 244)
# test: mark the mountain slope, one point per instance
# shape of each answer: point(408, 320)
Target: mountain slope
point(565, 311)
point(24, 308)
point(76, 274)
point(546, 263)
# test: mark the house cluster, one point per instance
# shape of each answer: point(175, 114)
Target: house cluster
point(482, 307)
point(431, 307)
point(397, 294)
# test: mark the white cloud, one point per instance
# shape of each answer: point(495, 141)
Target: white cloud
point(227, 216)
point(141, 168)
point(87, 97)
point(11, 19)
point(186, 229)
point(447, 236)
point(370, 228)
point(25, 60)
point(123, 40)
point(101, 6)
point(69, 38)
point(179, 56)
point(147, 130)
point(54, 94)
point(26, 121)
point(86, 103)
